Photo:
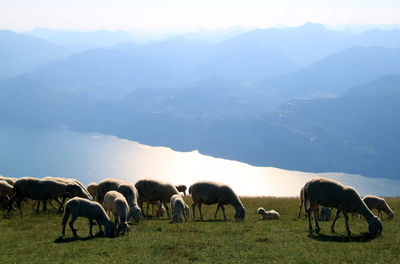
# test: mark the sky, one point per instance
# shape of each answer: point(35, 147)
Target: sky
point(153, 15)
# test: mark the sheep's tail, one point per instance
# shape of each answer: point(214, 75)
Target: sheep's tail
point(67, 212)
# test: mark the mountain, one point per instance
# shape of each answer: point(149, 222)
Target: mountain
point(248, 63)
point(20, 53)
point(312, 42)
point(80, 40)
point(98, 73)
point(333, 75)
point(383, 86)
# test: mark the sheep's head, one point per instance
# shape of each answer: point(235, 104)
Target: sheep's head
point(261, 211)
point(123, 228)
point(136, 214)
point(375, 227)
point(240, 213)
point(390, 216)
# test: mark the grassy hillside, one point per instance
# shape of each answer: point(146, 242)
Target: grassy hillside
point(35, 238)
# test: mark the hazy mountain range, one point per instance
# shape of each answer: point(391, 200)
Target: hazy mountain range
point(304, 98)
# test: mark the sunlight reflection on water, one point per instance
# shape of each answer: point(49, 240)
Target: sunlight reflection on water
point(92, 157)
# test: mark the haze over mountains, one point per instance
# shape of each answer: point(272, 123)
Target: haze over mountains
point(304, 98)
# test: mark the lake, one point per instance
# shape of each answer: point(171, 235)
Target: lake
point(90, 157)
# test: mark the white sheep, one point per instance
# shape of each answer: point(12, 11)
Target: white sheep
point(375, 202)
point(116, 203)
point(211, 193)
point(271, 214)
point(92, 210)
point(326, 192)
point(128, 190)
point(153, 190)
point(325, 214)
point(179, 208)
point(92, 189)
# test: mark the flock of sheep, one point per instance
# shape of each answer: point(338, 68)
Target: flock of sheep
point(125, 201)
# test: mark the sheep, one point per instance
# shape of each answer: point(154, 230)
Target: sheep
point(116, 203)
point(375, 202)
point(211, 193)
point(38, 189)
point(153, 190)
point(181, 188)
point(76, 188)
point(179, 208)
point(326, 192)
point(92, 189)
point(128, 190)
point(325, 214)
point(92, 210)
point(271, 214)
point(9, 180)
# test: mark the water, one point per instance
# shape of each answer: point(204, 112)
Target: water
point(90, 157)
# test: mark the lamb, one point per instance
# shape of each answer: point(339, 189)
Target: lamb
point(92, 189)
point(153, 190)
point(127, 190)
point(181, 188)
point(211, 193)
point(325, 214)
point(92, 210)
point(179, 208)
point(116, 203)
point(326, 192)
point(271, 214)
point(375, 202)
point(39, 189)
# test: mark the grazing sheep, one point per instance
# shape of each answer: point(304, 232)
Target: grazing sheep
point(325, 214)
point(211, 193)
point(9, 180)
point(153, 190)
point(39, 189)
point(92, 210)
point(179, 208)
point(116, 203)
point(326, 192)
point(126, 189)
point(92, 189)
point(181, 188)
point(75, 187)
point(271, 214)
point(375, 202)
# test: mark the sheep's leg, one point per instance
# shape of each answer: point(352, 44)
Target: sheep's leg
point(99, 224)
point(315, 214)
point(71, 225)
point(334, 221)
point(38, 205)
point(166, 207)
point(147, 209)
point(215, 216)
point(201, 214)
point(44, 205)
point(380, 214)
point(91, 224)
point(300, 206)
point(346, 218)
point(308, 211)
point(223, 211)
point(193, 210)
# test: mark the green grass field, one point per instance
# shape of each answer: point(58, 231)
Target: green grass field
point(35, 238)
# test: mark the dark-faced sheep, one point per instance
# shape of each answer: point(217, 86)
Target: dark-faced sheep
point(378, 203)
point(211, 193)
point(92, 210)
point(153, 190)
point(181, 188)
point(326, 192)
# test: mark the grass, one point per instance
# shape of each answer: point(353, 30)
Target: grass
point(35, 238)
